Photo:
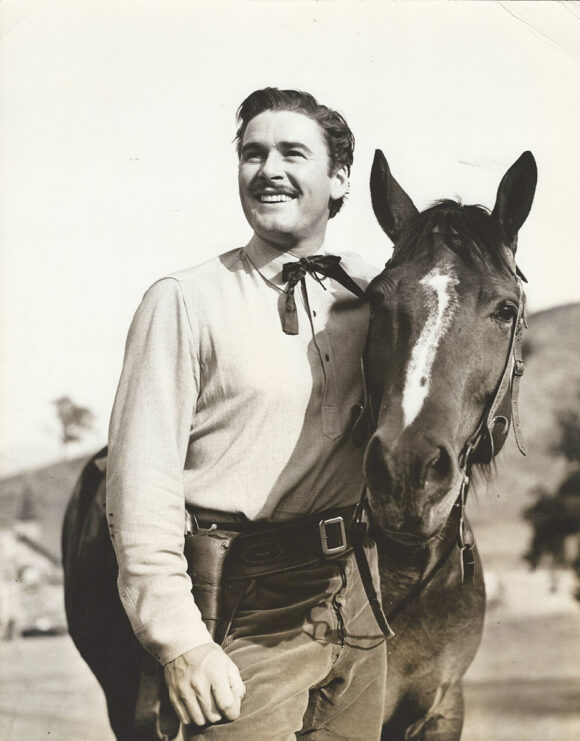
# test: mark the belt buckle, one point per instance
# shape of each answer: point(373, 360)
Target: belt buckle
point(324, 536)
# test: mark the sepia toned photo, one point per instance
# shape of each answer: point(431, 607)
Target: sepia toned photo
point(289, 386)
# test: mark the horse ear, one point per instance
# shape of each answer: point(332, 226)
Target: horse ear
point(514, 197)
point(392, 206)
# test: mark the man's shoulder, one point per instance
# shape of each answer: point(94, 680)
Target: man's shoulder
point(219, 265)
point(191, 284)
point(200, 287)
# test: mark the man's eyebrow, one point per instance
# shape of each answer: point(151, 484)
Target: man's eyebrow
point(295, 145)
point(252, 147)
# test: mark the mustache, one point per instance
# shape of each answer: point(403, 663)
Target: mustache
point(259, 189)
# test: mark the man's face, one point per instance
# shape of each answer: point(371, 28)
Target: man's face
point(283, 179)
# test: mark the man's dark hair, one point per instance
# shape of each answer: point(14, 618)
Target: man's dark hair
point(339, 138)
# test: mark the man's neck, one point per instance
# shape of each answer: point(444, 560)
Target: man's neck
point(300, 248)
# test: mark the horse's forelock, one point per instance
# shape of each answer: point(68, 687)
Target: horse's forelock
point(469, 231)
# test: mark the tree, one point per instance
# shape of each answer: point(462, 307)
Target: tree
point(555, 518)
point(74, 420)
point(568, 443)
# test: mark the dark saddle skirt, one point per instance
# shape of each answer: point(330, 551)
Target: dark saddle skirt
point(97, 621)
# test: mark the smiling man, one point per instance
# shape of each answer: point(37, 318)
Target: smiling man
point(287, 181)
point(235, 403)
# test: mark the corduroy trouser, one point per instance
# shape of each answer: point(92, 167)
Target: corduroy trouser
point(311, 656)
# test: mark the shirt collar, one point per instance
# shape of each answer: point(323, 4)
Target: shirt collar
point(269, 261)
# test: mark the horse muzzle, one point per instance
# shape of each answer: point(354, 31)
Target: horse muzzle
point(411, 485)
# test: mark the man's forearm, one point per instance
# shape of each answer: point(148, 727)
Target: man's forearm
point(148, 439)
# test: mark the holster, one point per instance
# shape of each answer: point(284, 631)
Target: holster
point(216, 596)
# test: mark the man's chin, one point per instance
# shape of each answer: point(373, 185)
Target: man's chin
point(279, 234)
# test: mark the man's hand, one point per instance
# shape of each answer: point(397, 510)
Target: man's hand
point(204, 685)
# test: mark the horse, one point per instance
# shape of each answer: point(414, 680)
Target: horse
point(442, 364)
point(440, 367)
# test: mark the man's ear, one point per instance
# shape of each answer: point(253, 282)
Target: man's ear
point(339, 183)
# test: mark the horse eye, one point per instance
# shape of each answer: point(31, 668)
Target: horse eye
point(505, 313)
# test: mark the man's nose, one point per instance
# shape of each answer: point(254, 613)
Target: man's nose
point(272, 167)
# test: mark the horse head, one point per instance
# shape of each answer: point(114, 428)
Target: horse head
point(439, 358)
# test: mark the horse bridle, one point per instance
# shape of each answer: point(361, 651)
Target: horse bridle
point(488, 438)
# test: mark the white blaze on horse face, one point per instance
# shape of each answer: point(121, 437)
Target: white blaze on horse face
point(441, 302)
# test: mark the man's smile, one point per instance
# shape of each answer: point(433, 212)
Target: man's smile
point(279, 198)
point(271, 196)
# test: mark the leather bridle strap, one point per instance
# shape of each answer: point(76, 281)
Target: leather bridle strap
point(369, 587)
point(365, 571)
point(508, 384)
point(518, 372)
point(465, 537)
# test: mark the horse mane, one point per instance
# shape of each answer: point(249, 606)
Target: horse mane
point(469, 231)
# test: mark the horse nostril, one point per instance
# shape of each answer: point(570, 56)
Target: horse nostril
point(439, 467)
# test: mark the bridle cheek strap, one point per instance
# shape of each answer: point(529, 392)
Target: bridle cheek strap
point(509, 385)
point(517, 373)
point(493, 428)
point(489, 438)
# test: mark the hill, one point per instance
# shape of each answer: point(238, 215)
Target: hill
point(43, 493)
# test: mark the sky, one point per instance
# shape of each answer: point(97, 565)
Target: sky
point(117, 164)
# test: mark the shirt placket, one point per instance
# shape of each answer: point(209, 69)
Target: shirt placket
point(317, 307)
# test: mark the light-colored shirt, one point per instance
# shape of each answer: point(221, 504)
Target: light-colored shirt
point(219, 408)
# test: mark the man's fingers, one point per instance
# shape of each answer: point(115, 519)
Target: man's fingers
point(236, 683)
point(204, 685)
point(193, 708)
point(180, 709)
point(208, 706)
point(226, 700)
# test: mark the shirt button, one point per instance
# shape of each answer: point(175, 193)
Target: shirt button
point(313, 313)
point(327, 357)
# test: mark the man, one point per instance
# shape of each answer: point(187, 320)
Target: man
point(236, 395)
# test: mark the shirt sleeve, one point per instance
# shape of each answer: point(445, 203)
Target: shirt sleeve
point(148, 439)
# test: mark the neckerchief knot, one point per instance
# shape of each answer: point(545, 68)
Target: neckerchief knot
point(294, 272)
